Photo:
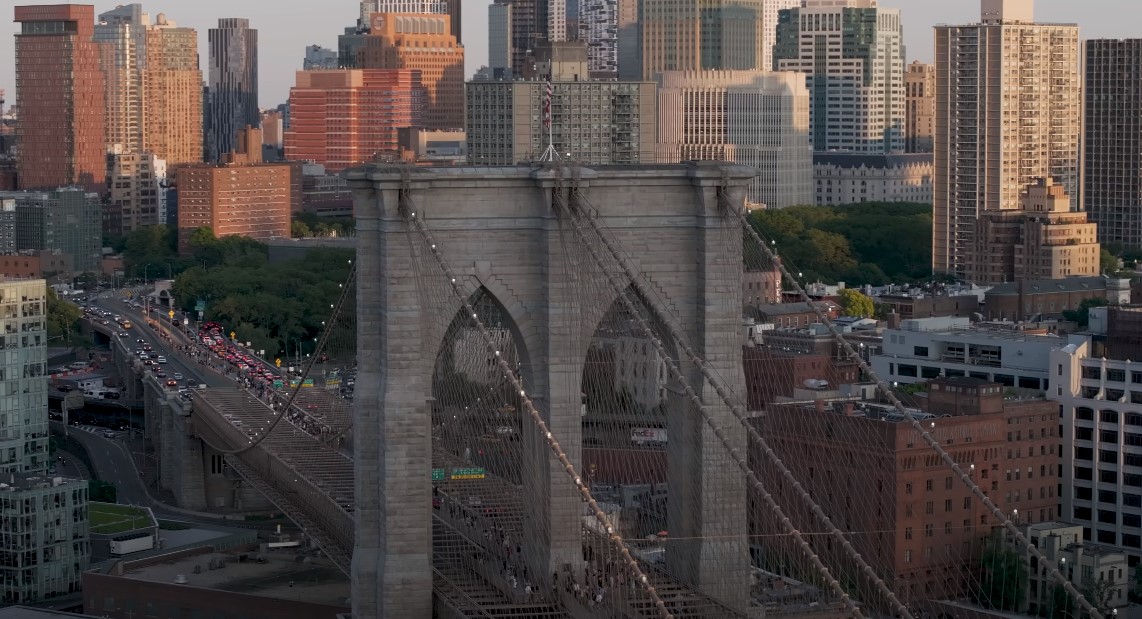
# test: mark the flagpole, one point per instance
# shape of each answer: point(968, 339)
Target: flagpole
point(549, 154)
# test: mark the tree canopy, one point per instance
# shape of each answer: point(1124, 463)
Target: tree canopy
point(1004, 576)
point(869, 243)
point(63, 319)
point(855, 303)
point(1082, 314)
point(275, 307)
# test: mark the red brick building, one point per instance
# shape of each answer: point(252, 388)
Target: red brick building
point(341, 118)
point(241, 196)
point(771, 373)
point(903, 508)
point(59, 86)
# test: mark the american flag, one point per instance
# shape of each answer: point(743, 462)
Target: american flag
point(547, 106)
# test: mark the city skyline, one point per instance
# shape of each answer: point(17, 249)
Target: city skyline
point(282, 36)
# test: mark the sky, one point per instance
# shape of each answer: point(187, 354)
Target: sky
point(286, 27)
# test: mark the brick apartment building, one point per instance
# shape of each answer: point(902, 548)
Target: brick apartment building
point(241, 196)
point(771, 373)
point(908, 515)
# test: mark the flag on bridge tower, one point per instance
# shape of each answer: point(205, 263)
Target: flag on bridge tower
point(547, 106)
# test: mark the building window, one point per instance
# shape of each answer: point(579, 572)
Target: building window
point(920, 351)
point(908, 533)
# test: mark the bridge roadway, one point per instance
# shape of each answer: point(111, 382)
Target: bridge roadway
point(312, 483)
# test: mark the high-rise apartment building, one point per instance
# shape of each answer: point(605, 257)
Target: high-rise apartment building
point(452, 8)
point(692, 36)
point(232, 87)
point(136, 191)
point(592, 122)
point(852, 55)
point(1043, 239)
point(50, 544)
point(920, 115)
point(240, 197)
point(424, 43)
point(68, 220)
point(754, 118)
point(1112, 139)
point(24, 427)
point(599, 29)
point(500, 37)
point(344, 117)
point(153, 85)
point(770, 13)
point(1008, 111)
point(59, 89)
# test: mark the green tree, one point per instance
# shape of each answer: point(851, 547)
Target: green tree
point(1003, 577)
point(855, 303)
point(1108, 262)
point(101, 491)
point(882, 242)
point(63, 318)
point(1082, 314)
point(299, 229)
point(1100, 593)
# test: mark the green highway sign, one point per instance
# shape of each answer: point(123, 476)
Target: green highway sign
point(437, 474)
point(278, 383)
point(468, 473)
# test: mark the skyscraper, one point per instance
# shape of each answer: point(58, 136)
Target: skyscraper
point(153, 85)
point(233, 85)
point(1008, 111)
point(1112, 139)
point(424, 43)
point(754, 118)
point(598, 28)
point(691, 36)
point(770, 13)
point(920, 89)
point(59, 91)
point(500, 36)
point(852, 55)
point(344, 117)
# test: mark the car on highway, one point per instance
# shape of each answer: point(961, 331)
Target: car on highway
point(109, 434)
point(177, 376)
point(172, 383)
point(140, 341)
point(162, 359)
point(124, 334)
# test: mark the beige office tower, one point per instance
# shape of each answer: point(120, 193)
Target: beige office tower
point(153, 85)
point(1008, 111)
point(692, 35)
point(754, 118)
point(920, 107)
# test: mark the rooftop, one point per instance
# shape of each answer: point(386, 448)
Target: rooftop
point(857, 160)
point(23, 481)
point(109, 518)
point(283, 576)
point(1037, 286)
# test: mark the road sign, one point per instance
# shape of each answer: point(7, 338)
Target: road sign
point(437, 474)
point(200, 306)
point(278, 362)
point(170, 314)
point(278, 383)
point(233, 335)
point(468, 473)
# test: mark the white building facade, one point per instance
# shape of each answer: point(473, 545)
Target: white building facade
point(852, 55)
point(1101, 405)
point(926, 348)
point(754, 118)
point(849, 178)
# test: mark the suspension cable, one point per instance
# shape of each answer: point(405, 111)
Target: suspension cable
point(342, 299)
point(715, 381)
point(409, 214)
point(675, 372)
point(884, 388)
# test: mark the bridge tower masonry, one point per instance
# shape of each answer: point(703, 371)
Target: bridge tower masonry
point(500, 229)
